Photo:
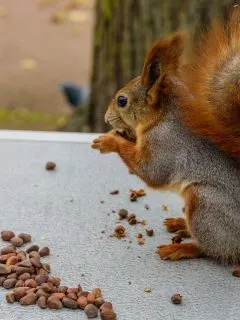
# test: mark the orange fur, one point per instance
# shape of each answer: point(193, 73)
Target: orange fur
point(215, 111)
point(179, 251)
point(175, 224)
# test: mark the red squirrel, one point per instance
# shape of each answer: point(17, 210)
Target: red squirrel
point(168, 155)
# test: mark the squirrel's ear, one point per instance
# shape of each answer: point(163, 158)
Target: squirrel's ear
point(163, 58)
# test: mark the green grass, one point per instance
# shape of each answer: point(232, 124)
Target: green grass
point(24, 119)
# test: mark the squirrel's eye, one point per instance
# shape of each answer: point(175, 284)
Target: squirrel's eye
point(122, 101)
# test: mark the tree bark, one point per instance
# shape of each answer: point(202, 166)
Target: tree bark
point(124, 31)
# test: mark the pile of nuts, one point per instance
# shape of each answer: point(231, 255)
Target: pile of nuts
point(25, 273)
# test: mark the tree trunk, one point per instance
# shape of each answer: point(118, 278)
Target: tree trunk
point(125, 30)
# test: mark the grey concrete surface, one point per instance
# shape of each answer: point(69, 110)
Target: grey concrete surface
point(62, 209)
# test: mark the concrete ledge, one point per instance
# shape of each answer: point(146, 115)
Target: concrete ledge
point(47, 136)
point(63, 209)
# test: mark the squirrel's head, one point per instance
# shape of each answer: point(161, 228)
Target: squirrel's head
point(147, 96)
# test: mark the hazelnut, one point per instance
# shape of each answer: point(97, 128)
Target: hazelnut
point(176, 298)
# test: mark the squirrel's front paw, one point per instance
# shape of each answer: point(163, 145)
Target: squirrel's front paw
point(106, 143)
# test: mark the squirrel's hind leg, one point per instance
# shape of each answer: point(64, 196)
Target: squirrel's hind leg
point(179, 251)
point(178, 226)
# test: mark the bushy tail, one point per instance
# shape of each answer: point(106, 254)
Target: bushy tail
point(213, 76)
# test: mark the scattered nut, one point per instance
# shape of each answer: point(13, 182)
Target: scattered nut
point(10, 298)
point(69, 303)
point(106, 305)
point(24, 276)
point(30, 283)
point(7, 235)
point(90, 298)
point(139, 235)
point(108, 314)
point(123, 213)
point(54, 303)
point(21, 270)
point(12, 261)
point(32, 248)
point(149, 232)
point(55, 281)
point(50, 165)
point(16, 241)
point(176, 298)
point(7, 250)
point(45, 251)
point(140, 241)
point(25, 236)
point(58, 295)
point(34, 254)
point(148, 290)
point(29, 299)
point(5, 270)
point(42, 302)
point(97, 293)
point(20, 283)
point(9, 283)
point(82, 302)
point(4, 258)
point(20, 292)
point(91, 311)
point(114, 192)
point(132, 219)
point(133, 196)
point(46, 267)
point(98, 302)
point(140, 192)
point(62, 289)
point(25, 264)
point(119, 232)
point(12, 276)
point(41, 292)
point(72, 296)
point(36, 262)
point(119, 229)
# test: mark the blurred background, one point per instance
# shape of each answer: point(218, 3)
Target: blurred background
point(62, 60)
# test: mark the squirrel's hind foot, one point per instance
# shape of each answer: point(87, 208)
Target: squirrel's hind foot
point(179, 251)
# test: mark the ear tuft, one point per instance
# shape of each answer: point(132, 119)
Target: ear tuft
point(163, 58)
point(153, 72)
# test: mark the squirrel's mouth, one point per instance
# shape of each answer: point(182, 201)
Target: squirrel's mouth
point(126, 134)
point(121, 127)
